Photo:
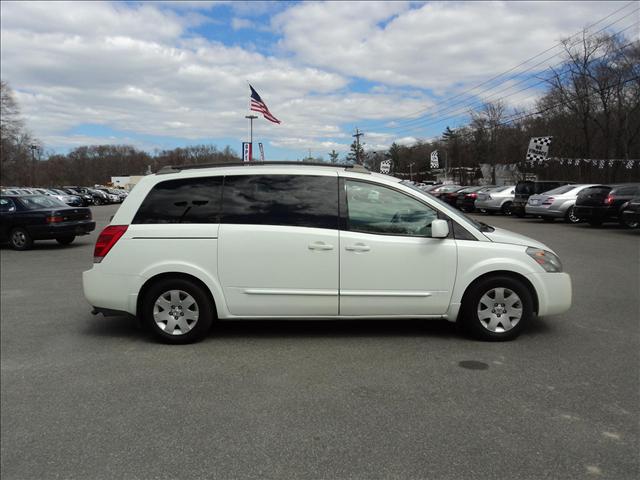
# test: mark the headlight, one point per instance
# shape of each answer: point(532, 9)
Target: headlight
point(547, 260)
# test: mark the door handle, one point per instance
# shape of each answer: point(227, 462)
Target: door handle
point(358, 247)
point(320, 246)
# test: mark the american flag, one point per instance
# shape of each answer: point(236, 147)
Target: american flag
point(257, 105)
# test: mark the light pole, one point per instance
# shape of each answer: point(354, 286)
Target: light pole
point(251, 119)
point(411, 171)
point(33, 164)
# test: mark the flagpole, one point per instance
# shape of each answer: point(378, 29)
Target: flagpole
point(251, 118)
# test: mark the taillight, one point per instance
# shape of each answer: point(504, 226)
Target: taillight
point(106, 240)
point(548, 201)
point(609, 200)
point(472, 195)
point(55, 219)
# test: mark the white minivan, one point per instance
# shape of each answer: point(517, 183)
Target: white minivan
point(192, 244)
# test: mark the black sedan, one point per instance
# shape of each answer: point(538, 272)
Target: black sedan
point(26, 218)
point(631, 213)
point(604, 203)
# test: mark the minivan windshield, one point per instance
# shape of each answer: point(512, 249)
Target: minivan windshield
point(483, 227)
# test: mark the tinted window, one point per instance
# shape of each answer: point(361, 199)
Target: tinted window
point(7, 205)
point(295, 200)
point(376, 209)
point(561, 190)
point(630, 190)
point(39, 202)
point(188, 200)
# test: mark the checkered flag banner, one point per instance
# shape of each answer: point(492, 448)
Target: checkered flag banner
point(435, 160)
point(538, 149)
point(629, 164)
point(385, 166)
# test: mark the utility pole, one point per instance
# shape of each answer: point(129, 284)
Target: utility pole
point(358, 134)
point(251, 119)
point(33, 164)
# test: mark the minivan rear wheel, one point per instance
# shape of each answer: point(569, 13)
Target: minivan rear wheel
point(177, 311)
point(497, 308)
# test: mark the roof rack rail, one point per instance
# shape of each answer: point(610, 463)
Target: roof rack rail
point(177, 168)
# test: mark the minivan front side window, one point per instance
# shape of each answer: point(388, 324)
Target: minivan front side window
point(376, 209)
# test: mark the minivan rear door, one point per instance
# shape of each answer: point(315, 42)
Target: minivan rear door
point(278, 245)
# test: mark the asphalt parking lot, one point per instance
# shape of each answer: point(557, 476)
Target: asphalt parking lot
point(89, 397)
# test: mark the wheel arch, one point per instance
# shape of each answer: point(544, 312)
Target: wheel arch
point(504, 273)
point(173, 275)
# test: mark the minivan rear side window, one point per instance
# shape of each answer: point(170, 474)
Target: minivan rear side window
point(292, 200)
point(187, 200)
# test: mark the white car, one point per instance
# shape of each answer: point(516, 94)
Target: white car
point(190, 245)
point(498, 199)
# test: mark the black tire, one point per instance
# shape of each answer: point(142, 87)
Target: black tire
point(548, 219)
point(20, 239)
point(628, 223)
point(66, 240)
point(471, 321)
point(506, 208)
point(570, 217)
point(97, 201)
point(204, 309)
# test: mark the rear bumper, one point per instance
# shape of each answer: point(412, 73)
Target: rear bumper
point(595, 213)
point(544, 211)
point(493, 204)
point(554, 292)
point(47, 232)
point(106, 291)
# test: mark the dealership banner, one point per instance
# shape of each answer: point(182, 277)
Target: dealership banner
point(385, 166)
point(261, 151)
point(538, 149)
point(246, 151)
point(435, 160)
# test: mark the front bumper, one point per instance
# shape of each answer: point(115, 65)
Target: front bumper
point(554, 292)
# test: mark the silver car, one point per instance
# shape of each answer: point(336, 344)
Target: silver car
point(556, 203)
point(498, 199)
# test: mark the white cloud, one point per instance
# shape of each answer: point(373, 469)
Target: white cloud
point(437, 44)
point(241, 23)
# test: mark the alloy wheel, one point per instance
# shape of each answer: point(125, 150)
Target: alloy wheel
point(175, 312)
point(499, 310)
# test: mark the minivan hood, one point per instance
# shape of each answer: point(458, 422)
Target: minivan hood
point(500, 235)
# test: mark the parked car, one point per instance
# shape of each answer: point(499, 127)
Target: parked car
point(25, 218)
point(497, 199)
point(99, 197)
point(604, 203)
point(556, 203)
point(85, 199)
point(467, 197)
point(441, 190)
point(451, 196)
point(115, 196)
point(193, 244)
point(72, 200)
point(526, 188)
point(631, 213)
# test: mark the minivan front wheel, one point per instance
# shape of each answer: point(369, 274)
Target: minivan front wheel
point(497, 308)
point(177, 311)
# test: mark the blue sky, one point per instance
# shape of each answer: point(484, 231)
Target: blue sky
point(158, 75)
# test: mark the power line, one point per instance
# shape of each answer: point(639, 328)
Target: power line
point(477, 103)
point(472, 89)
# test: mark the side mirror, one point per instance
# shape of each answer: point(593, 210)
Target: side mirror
point(439, 229)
